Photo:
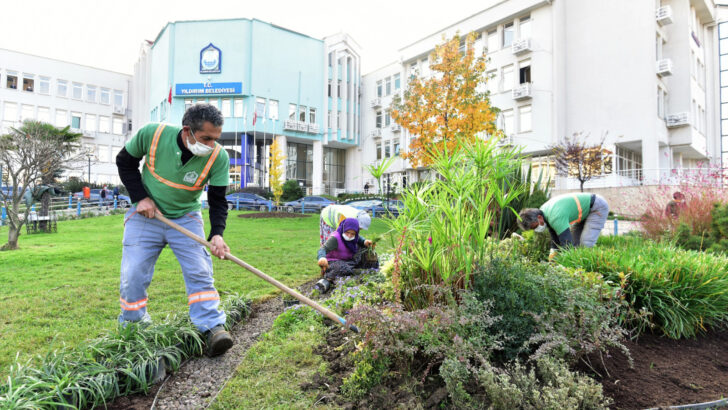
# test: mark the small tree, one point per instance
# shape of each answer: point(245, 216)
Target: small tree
point(27, 154)
point(575, 158)
point(378, 170)
point(291, 190)
point(276, 171)
point(449, 108)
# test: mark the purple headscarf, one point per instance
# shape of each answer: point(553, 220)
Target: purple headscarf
point(350, 224)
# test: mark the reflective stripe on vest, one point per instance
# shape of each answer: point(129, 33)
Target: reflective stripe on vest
point(133, 306)
point(153, 156)
point(578, 206)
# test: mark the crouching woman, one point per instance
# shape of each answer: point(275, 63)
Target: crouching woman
point(343, 253)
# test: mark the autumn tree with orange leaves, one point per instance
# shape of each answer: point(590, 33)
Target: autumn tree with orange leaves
point(450, 107)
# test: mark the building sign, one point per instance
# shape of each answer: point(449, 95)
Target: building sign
point(210, 59)
point(208, 88)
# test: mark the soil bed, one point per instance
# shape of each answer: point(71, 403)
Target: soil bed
point(667, 372)
point(273, 215)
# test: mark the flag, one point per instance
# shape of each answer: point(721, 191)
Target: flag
point(169, 99)
point(255, 116)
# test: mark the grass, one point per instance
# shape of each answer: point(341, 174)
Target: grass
point(685, 291)
point(63, 288)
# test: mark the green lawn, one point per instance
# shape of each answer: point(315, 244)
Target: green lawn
point(63, 288)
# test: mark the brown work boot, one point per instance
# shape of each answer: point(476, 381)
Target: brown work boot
point(218, 341)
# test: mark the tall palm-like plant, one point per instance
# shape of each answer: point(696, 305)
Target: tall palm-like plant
point(378, 170)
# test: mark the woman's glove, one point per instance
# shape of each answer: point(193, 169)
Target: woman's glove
point(323, 263)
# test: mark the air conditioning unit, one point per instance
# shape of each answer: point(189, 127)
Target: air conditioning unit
point(678, 120)
point(522, 91)
point(376, 133)
point(376, 102)
point(506, 141)
point(395, 128)
point(664, 67)
point(521, 46)
point(119, 110)
point(290, 125)
point(664, 15)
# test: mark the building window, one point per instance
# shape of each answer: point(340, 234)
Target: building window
point(91, 93)
point(11, 112)
point(378, 123)
point(329, 88)
point(379, 88)
point(104, 124)
point(188, 103)
point(388, 85)
point(379, 150)
point(302, 113)
point(338, 89)
point(387, 152)
point(524, 72)
point(28, 84)
point(11, 81)
point(77, 91)
point(44, 85)
point(117, 126)
point(61, 118)
point(76, 120)
point(105, 96)
point(338, 120)
point(27, 112)
point(273, 109)
point(507, 35)
point(62, 88)
point(90, 122)
point(225, 109)
point(260, 107)
point(118, 98)
point(312, 115)
point(331, 59)
point(507, 77)
point(238, 107)
point(397, 84)
point(660, 102)
point(387, 119)
point(396, 148)
point(524, 117)
point(103, 153)
point(300, 163)
point(292, 112)
point(508, 122)
point(524, 27)
point(334, 175)
point(492, 42)
point(413, 70)
point(329, 118)
point(44, 114)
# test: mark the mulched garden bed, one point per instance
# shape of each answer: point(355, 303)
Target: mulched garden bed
point(666, 372)
point(274, 215)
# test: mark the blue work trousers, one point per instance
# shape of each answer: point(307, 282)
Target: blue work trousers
point(143, 241)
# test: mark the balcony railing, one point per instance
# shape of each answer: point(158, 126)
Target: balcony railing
point(678, 119)
point(664, 67)
point(521, 46)
point(376, 102)
point(395, 128)
point(522, 91)
point(290, 125)
point(664, 15)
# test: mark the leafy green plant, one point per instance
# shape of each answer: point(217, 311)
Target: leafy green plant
point(368, 372)
point(377, 170)
point(291, 191)
point(685, 292)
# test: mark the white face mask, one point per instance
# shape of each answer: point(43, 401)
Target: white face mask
point(198, 149)
point(540, 228)
point(347, 237)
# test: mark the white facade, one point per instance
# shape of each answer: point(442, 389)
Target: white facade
point(90, 100)
point(642, 74)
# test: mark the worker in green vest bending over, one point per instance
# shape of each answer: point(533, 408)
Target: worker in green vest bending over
point(571, 219)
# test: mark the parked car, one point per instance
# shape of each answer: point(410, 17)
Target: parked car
point(95, 196)
point(377, 206)
point(309, 203)
point(248, 201)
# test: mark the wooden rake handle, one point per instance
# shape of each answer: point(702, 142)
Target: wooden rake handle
point(329, 314)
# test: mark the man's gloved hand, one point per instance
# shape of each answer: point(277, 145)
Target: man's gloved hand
point(552, 255)
point(323, 263)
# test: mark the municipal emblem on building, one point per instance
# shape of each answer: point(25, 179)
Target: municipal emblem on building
point(191, 177)
point(210, 59)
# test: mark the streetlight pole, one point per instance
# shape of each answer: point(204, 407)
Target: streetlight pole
point(89, 168)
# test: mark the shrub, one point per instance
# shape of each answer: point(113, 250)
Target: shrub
point(291, 191)
point(368, 373)
point(549, 310)
point(720, 228)
point(264, 192)
point(683, 292)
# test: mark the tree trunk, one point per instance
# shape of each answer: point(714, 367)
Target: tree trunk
point(581, 185)
point(13, 234)
point(45, 205)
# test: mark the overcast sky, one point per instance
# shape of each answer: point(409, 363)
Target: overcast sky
point(107, 34)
